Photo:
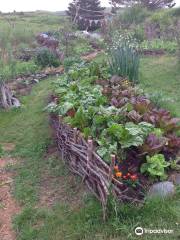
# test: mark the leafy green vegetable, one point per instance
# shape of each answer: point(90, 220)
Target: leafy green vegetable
point(155, 166)
point(130, 134)
point(65, 108)
point(116, 128)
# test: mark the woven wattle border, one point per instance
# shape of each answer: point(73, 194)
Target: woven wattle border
point(84, 161)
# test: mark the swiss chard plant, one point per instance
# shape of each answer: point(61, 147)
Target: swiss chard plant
point(123, 136)
point(119, 117)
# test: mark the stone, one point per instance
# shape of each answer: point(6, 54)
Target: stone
point(162, 189)
point(35, 81)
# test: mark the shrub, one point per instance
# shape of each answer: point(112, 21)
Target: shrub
point(46, 58)
point(164, 24)
point(124, 57)
point(135, 14)
point(162, 18)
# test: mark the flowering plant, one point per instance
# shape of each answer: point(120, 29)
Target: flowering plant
point(124, 57)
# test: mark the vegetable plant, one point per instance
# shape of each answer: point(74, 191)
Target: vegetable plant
point(124, 58)
point(155, 44)
point(46, 58)
point(121, 120)
point(155, 166)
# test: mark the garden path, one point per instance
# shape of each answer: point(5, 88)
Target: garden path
point(8, 205)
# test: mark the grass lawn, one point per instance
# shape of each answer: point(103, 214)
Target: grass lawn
point(161, 75)
point(29, 129)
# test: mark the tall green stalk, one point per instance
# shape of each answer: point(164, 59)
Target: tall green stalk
point(124, 58)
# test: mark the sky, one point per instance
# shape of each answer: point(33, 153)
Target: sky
point(32, 5)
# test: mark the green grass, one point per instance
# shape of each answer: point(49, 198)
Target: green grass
point(28, 129)
point(17, 33)
point(20, 29)
point(162, 75)
point(18, 68)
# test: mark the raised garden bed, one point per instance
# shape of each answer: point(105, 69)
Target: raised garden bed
point(82, 159)
point(22, 84)
point(111, 135)
point(153, 52)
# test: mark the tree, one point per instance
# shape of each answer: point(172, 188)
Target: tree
point(88, 14)
point(149, 4)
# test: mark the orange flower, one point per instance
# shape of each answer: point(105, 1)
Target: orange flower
point(116, 168)
point(118, 174)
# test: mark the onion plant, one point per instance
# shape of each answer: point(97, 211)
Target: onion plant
point(124, 57)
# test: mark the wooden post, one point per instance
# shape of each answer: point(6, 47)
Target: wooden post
point(77, 12)
point(74, 159)
point(75, 134)
point(89, 150)
point(61, 150)
point(113, 158)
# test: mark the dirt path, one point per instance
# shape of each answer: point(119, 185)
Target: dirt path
point(8, 205)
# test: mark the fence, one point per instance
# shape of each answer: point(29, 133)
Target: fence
point(83, 160)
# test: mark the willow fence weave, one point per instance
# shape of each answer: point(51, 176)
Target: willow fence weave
point(82, 159)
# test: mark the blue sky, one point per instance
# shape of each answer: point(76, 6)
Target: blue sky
point(31, 5)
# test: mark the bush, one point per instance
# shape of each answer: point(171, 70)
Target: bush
point(162, 18)
point(164, 24)
point(46, 58)
point(124, 57)
point(133, 15)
